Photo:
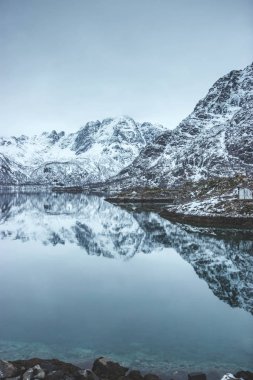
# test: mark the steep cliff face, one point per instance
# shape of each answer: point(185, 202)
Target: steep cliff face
point(10, 171)
point(96, 152)
point(215, 140)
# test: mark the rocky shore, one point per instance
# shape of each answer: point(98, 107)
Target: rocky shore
point(213, 220)
point(102, 369)
point(207, 203)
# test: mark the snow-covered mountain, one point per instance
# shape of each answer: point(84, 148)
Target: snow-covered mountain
point(94, 153)
point(215, 140)
point(222, 258)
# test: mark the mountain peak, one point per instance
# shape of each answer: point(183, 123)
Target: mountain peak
point(215, 140)
point(93, 153)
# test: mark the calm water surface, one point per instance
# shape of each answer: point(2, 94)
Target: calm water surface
point(81, 278)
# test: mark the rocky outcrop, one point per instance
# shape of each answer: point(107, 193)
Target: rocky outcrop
point(7, 370)
point(41, 369)
point(103, 369)
point(246, 375)
point(107, 369)
point(35, 369)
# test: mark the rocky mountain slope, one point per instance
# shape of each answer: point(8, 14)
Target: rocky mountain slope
point(215, 140)
point(94, 153)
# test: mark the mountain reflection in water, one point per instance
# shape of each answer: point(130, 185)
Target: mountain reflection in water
point(150, 306)
point(223, 258)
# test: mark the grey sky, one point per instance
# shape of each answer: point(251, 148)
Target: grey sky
point(65, 62)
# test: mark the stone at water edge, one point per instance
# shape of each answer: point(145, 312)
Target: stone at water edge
point(57, 375)
point(7, 369)
point(104, 368)
point(246, 375)
point(151, 376)
point(228, 376)
point(35, 372)
point(241, 375)
point(134, 375)
point(28, 375)
point(88, 374)
point(196, 376)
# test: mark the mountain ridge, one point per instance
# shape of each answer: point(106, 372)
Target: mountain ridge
point(93, 153)
point(215, 140)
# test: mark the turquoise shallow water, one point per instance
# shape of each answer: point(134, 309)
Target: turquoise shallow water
point(81, 278)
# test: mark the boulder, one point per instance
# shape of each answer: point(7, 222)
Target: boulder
point(246, 375)
point(28, 375)
point(7, 369)
point(151, 376)
point(228, 376)
point(59, 375)
point(134, 375)
point(36, 368)
point(88, 374)
point(106, 369)
point(196, 376)
point(35, 372)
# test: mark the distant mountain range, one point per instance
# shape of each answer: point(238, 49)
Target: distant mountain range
point(216, 139)
point(94, 153)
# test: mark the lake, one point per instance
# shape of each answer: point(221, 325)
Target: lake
point(81, 278)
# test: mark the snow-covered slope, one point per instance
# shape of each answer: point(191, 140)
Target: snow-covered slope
point(10, 171)
point(96, 152)
point(215, 140)
point(222, 258)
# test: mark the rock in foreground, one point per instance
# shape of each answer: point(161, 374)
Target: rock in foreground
point(102, 369)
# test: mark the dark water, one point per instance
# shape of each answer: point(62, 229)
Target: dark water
point(80, 277)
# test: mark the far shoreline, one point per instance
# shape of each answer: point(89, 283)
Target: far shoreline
point(209, 220)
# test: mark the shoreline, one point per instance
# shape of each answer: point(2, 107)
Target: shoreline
point(205, 221)
point(101, 369)
point(162, 206)
point(139, 200)
point(220, 221)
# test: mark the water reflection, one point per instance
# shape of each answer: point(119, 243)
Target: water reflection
point(223, 259)
point(150, 307)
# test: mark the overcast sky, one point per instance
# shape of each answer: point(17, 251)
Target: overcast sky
point(65, 62)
